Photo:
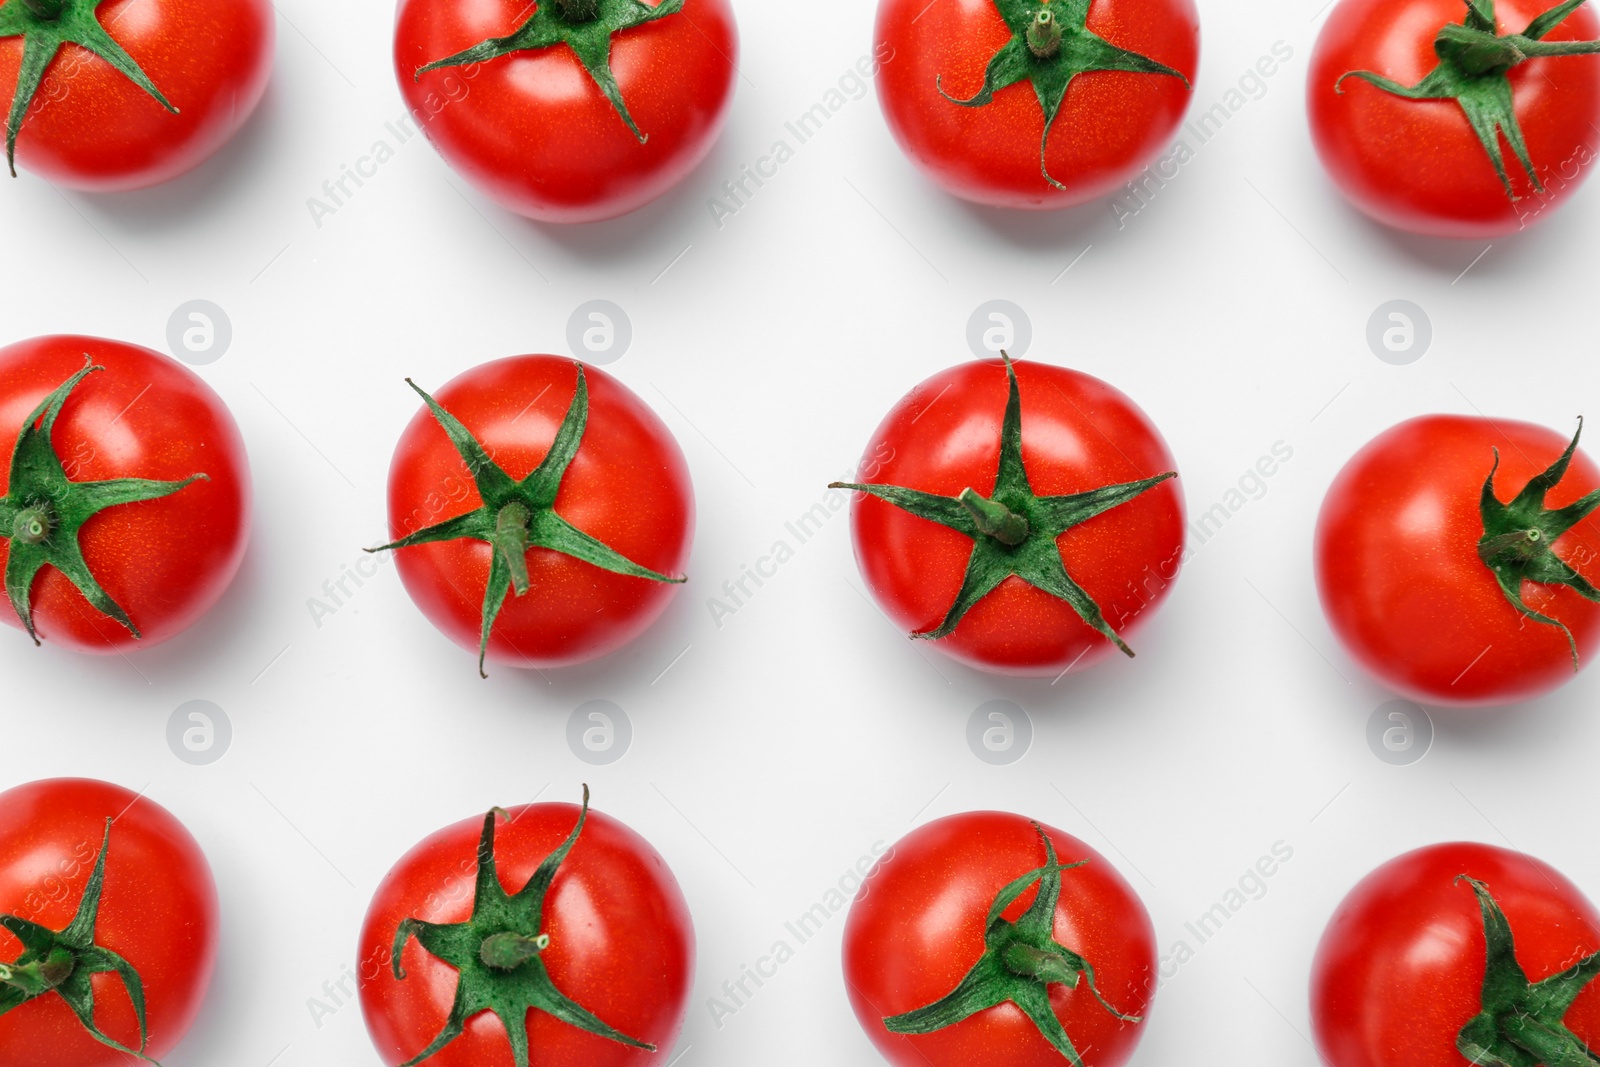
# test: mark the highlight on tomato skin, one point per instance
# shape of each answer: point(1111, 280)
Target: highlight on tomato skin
point(1019, 517)
point(987, 939)
point(541, 513)
point(1452, 593)
point(1392, 117)
point(101, 889)
point(158, 90)
point(569, 111)
point(125, 515)
point(961, 82)
point(1458, 953)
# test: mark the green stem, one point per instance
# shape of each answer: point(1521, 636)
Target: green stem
point(508, 950)
point(39, 976)
point(994, 518)
point(511, 542)
point(1026, 961)
point(576, 11)
point(50, 10)
point(34, 525)
point(1477, 52)
point(1518, 546)
point(1044, 34)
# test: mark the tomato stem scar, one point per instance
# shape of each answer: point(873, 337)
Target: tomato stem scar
point(34, 524)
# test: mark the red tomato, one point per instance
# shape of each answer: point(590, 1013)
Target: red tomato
point(621, 943)
point(158, 911)
point(1111, 124)
point(163, 561)
point(1417, 165)
point(917, 929)
point(628, 486)
point(1399, 572)
point(533, 130)
point(92, 127)
point(1078, 434)
point(1400, 971)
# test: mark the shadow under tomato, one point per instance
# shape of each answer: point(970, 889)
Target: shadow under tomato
point(214, 1037)
point(213, 188)
point(1449, 258)
point(215, 638)
point(1103, 689)
point(1533, 726)
point(633, 666)
point(1061, 229)
point(657, 231)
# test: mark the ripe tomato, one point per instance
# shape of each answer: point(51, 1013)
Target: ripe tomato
point(464, 529)
point(1428, 963)
point(583, 110)
point(103, 563)
point(1085, 470)
point(572, 913)
point(156, 918)
point(1047, 144)
point(92, 125)
point(962, 905)
point(1401, 568)
point(1417, 163)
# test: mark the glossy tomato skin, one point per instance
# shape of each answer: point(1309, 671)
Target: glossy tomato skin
point(628, 486)
point(917, 927)
point(533, 131)
point(91, 128)
point(621, 942)
point(1111, 125)
point(1416, 165)
point(1398, 569)
point(1399, 970)
point(1078, 433)
point(158, 910)
point(166, 561)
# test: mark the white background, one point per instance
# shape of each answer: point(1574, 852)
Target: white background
point(780, 747)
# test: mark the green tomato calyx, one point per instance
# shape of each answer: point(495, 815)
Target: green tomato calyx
point(1020, 961)
point(585, 26)
point(497, 953)
point(43, 511)
point(64, 963)
point(517, 517)
point(1475, 60)
point(1051, 45)
point(1521, 1022)
point(45, 26)
point(578, 10)
point(1519, 537)
point(1013, 531)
